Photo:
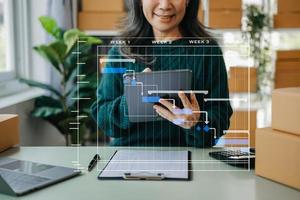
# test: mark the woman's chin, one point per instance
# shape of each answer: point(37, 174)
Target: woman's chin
point(164, 29)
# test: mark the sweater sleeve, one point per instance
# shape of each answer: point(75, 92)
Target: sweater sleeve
point(219, 112)
point(110, 108)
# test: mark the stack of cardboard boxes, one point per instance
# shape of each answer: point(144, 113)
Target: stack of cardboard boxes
point(9, 131)
point(277, 148)
point(287, 69)
point(288, 14)
point(201, 13)
point(106, 15)
point(242, 80)
point(101, 14)
point(225, 14)
point(239, 123)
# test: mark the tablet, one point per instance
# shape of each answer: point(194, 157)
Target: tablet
point(143, 90)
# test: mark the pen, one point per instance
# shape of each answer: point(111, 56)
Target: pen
point(93, 162)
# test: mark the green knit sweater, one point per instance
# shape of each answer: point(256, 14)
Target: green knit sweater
point(209, 73)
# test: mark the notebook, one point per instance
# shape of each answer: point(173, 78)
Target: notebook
point(148, 165)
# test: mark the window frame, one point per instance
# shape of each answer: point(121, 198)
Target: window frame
point(18, 57)
point(10, 60)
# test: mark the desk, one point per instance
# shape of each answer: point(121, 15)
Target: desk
point(207, 185)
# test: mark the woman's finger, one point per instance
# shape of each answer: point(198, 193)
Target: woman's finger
point(167, 104)
point(164, 113)
point(185, 101)
point(194, 101)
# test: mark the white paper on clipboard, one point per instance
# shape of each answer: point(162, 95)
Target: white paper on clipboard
point(169, 164)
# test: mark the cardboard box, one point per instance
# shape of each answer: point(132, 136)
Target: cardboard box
point(9, 131)
point(287, 20)
point(201, 13)
point(225, 19)
point(102, 5)
point(277, 156)
point(288, 55)
point(239, 121)
point(225, 4)
point(286, 110)
point(241, 136)
point(288, 6)
point(239, 79)
point(287, 74)
point(99, 21)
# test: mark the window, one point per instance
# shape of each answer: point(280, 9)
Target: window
point(2, 39)
point(7, 71)
point(14, 44)
point(17, 36)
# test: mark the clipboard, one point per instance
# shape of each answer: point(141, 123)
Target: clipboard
point(148, 165)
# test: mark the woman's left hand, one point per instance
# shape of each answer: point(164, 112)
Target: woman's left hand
point(185, 118)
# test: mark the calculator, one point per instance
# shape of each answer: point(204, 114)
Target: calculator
point(236, 158)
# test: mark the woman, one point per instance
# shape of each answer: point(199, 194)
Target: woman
point(169, 27)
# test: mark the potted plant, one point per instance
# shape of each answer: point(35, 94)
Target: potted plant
point(62, 107)
point(257, 29)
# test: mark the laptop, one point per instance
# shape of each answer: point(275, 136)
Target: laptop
point(18, 177)
point(143, 90)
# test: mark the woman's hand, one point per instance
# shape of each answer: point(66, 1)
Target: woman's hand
point(185, 118)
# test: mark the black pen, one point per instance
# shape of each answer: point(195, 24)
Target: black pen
point(93, 162)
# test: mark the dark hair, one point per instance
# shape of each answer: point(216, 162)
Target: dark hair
point(135, 27)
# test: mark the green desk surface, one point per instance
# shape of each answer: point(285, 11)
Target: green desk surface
point(221, 182)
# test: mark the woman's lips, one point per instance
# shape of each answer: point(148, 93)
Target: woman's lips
point(164, 17)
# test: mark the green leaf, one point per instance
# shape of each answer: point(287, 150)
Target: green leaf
point(51, 55)
point(60, 48)
point(47, 101)
point(71, 37)
point(85, 90)
point(64, 124)
point(89, 67)
point(50, 26)
point(70, 61)
point(93, 40)
point(46, 112)
point(42, 86)
point(89, 93)
point(71, 74)
point(86, 111)
point(92, 78)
